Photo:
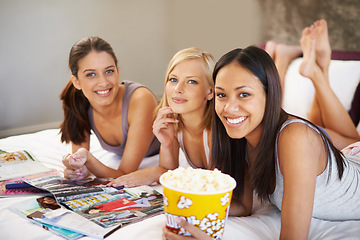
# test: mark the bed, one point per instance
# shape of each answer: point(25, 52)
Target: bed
point(264, 223)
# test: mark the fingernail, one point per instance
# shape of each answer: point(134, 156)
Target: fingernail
point(177, 220)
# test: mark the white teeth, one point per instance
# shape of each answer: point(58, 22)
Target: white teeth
point(236, 120)
point(103, 92)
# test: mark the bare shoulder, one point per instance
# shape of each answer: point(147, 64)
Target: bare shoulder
point(142, 93)
point(142, 96)
point(297, 132)
point(142, 104)
point(299, 143)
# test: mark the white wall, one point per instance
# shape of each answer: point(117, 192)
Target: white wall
point(36, 36)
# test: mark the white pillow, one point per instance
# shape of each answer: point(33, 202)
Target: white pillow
point(299, 91)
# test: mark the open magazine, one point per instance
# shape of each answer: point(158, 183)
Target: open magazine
point(91, 208)
point(19, 164)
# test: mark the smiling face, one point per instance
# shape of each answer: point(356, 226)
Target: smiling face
point(98, 78)
point(187, 88)
point(240, 102)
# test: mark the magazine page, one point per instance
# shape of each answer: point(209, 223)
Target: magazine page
point(28, 207)
point(17, 192)
point(65, 190)
point(122, 207)
point(17, 188)
point(45, 210)
point(19, 164)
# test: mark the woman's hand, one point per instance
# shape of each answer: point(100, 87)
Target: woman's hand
point(163, 126)
point(195, 232)
point(76, 175)
point(79, 158)
point(75, 168)
point(145, 176)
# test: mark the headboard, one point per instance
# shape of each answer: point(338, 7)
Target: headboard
point(345, 55)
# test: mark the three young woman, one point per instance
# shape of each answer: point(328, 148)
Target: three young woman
point(120, 114)
point(281, 157)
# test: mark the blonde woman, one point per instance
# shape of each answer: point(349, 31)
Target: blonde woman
point(183, 116)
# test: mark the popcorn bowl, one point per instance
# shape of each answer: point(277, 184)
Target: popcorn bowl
point(206, 207)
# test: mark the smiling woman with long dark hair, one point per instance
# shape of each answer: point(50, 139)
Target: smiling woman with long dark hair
point(121, 115)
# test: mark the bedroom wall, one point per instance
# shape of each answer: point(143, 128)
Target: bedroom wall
point(283, 21)
point(36, 37)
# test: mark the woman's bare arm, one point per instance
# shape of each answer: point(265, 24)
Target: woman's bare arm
point(301, 158)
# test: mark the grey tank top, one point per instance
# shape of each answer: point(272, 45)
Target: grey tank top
point(206, 148)
point(335, 199)
point(130, 87)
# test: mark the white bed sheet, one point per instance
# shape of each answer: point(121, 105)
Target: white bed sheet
point(264, 223)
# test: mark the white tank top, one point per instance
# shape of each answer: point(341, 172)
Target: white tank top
point(205, 143)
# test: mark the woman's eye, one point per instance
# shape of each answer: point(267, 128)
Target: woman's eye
point(220, 95)
point(109, 71)
point(192, 82)
point(172, 80)
point(243, 95)
point(90, 74)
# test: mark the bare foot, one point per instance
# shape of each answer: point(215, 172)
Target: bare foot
point(270, 47)
point(308, 67)
point(322, 45)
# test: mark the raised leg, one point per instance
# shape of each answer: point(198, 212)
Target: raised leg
point(282, 55)
point(327, 111)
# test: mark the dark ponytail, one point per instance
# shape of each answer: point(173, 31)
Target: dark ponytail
point(76, 121)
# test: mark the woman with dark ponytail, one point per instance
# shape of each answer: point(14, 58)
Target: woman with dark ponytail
point(121, 115)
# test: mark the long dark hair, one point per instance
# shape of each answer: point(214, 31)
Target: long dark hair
point(229, 155)
point(76, 126)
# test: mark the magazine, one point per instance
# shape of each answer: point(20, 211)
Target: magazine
point(28, 207)
point(18, 187)
point(91, 208)
point(123, 207)
point(45, 210)
point(64, 189)
point(19, 164)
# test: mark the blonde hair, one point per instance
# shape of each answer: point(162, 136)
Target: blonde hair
point(209, 63)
